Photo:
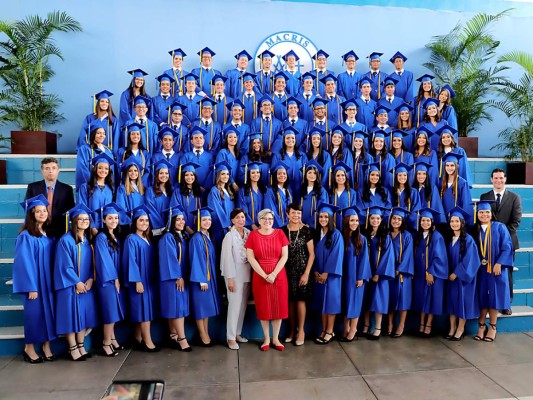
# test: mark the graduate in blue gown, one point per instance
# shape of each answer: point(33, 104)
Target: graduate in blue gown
point(236, 123)
point(251, 195)
point(167, 153)
point(365, 104)
point(405, 124)
point(32, 278)
point(174, 276)
point(454, 190)
point(230, 153)
point(190, 99)
point(221, 199)
point(399, 150)
point(360, 158)
point(334, 108)
point(374, 193)
point(294, 159)
point(205, 72)
point(269, 127)
point(348, 81)
point(446, 110)
point(136, 88)
point(391, 101)
point(382, 118)
point(250, 98)
point(294, 121)
point(496, 253)
point(254, 154)
point(98, 190)
point(321, 59)
point(307, 96)
point(213, 129)
point(76, 309)
point(278, 196)
point(235, 83)
point(338, 150)
point(221, 99)
point(292, 71)
point(463, 258)
point(102, 113)
point(176, 121)
point(340, 193)
point(163, 100)
point(329, 251)
point(404, 196)
point(188, 194)
point(428, 194)
point(426, 91)
point(205, 300)
point(422, 152)
point(405, 79)
point(149, 127)
point(130, 193)
point(315, 152)
point(264, 79)
point(157, 197)
point(376, 75)
point(447, 144)
point(177, 72)
point(401, 288)
point(312, 194)
point(350, 123)
point(86, 152)
point(432, 121)
point(140, 276)
point(107, 263)
point(280, 96)
point(379, 150)
point(431, 272)
point(200, 156)
point(136, 152)
point(356, 271)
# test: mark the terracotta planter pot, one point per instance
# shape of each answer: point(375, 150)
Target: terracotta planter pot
point(33, 142)
point(470, 146)
point(3, 172)
point(520, 173)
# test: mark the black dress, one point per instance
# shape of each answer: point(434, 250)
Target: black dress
point(297, 262)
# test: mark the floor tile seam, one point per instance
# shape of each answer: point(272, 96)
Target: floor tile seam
point(498, 384)
point(417, 371)
point(302, 379)
point(119, 368)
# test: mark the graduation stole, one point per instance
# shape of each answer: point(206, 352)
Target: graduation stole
point(254, 105)
point(211, 134)
point(224, 109)
point(379, 253)
point(206, 257)
point(252, 203)
point(269, 133)
point(177, 79)
point(335, 202)
point(178, 250)
point(356, 167)
point(485, 248)
point(146, 133)
point(339, 113)
point(418, 114)
point(427, 253)
point(400, 256)
point(262, 81)
point(280, 207)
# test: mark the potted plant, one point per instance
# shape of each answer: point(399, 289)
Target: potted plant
point(515, 100)
point(460, 59)
point(3, 163)
point(24, 71)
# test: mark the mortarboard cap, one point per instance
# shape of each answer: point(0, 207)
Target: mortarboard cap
point(374, 55)
point(104, 94)
point(206, 50)
point(103, 158)
point(165, 77)
point(350, 54)
point(137, 73)
point(425, 78)
point(35, 201)
point(243, 53)
point(449, 89)
point(397, 55)
point(291, 53)
point(177, 52)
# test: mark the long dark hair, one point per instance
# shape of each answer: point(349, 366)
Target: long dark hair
point(462, 237)
point(381, 233)
point(92, 137)
point(175, 232)
point(248, 185)
point(92, 183)
point(320, 159)
point(406, 189)
point(351, 236)
point(420, 95)
point(157, 189)
point(195, 189)
point(74, 230)
point(427, 149)
point(420, 235)
point(110, 112)
point(379, 189)
point(383, 152)
point(30, 224)
point(440, 151)
point(110, 240)
point(147, 235)
point(329, 234)
point(275, 183)
point(428, 189)
point(227, 186)
point(225, 145)
point(129, 151)
point(334, 182)
point(260, 156)
point(317, 186)
point(339, 155)
point(427, 118)
point(142, 89)
point(283, 151)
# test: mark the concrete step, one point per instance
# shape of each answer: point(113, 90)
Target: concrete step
point(26, 168)
point(10, 198)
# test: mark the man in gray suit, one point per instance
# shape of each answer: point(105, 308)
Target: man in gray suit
point(508, 210)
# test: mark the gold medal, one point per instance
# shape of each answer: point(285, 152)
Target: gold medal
point(484, 262)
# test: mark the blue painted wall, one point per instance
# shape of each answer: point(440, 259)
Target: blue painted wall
point(119, 36)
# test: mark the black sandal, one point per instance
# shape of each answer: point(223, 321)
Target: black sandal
point(112, 348)
point(489, 339)
point(371, 336)
point(117, 346)
point(184, 349)
point(324, 341)
point(320, 339)
point(479, 338)
point(73, 348)
point(87, 354)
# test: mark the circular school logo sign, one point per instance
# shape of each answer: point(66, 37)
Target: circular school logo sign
point(281, 43)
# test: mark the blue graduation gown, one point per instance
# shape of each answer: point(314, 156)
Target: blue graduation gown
point(386, 164)
point(450, 116)
point(434, 204)
point(128, 202)
point(189, 204)
point(413, 205)
point(220, 112)
point(251, 202)
point(334, 110)
point(464, 167)
point(138, 264)
point(271, 133)
point(365, 112)
point(264, 167)
point(148, 135)
point(381, 264)
point(182, 142)
point(112, 130)
point(294, 172)
point(177, 88)
point(309, 202)
point(235, 83)
point(404, 87)
point(213, 139)
point(174, 160)
point(32, 272)
point(127, 112)
point(243, 130)
point(358, 175)
point(223, 208)
point(205, 77)
point(344, 200)
point(157, 204)
point(461, 295)
point(493, 291)
point(264, 82)
point(327, 296)
point(192, 111)
point(84, 160)
point(392, 114)
point(73, 264)
point(205, 304)
point(278, 203)
point(326, 126)
point(347, 158)
point(160, 108)
point(352, 127)
point(401, 288)
point(464, 199)
point(355, 268)
point(107, 264)
point(172, 265)
point(326, 166)
point(302, 127)
point(434, 138)
point(279, 109)
point(293, 84)
point(144, 160)
point(306, 108)
point(99, 198)
point(348, 86)
point(226, 155)
point(204, 172)
point(251, 106)
point(432, 160)
point(375, 200)
point(377, 84)
point(430, 299)
point(319, 86)
point(409, 139)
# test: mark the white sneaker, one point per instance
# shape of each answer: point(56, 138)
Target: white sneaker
point(241, 339)
point(233, 346)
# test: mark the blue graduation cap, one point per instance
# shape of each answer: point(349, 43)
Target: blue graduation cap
point(96, 124)
point(399, 211)
point(139, 212)
point(112, 209)
point(141, 100)
point(422, 166)
point(425, 78)
point(329, 77)
point(174, 210)
point(320, 53)
point(162, 164)
point(235, 103)
point(218, 78)
point(341, 166)
point(397, 55)
point(278, 166)
point(451, 157)
point(360, 135)
point(33, 202)
point(349, 211)
point(291, 53)
point(206, 102)
point(165, 77)
point(350, 54)
point(338, 129)
point(77, 210)
point(293, 100)
point(431, 102)
point(206, 50)
point(137, 73)
point(381, 134)
point(202, 213)
point(102, 158)
point(327, 208)
point(389, 80)
point(428, 213)
point(166, 131)
point(308, 75)
point(190, 77)
point(316, 131)
point(401, 167)
point(177, 106)
point(422, 130)
point(129, 162)
point(371, 167)
point(265, 54)
point(449, 89)
point(312, 165)
point(281, 74)
point(135, 127)
point(398, 133)
point(177, 52)
point(197, 130)
point(365, 80)
point(376, 210)
point(230, 129)
point(483, 205)
point(404, 107)
point(319, 102)
point(104, 94)
point(221, 166)
point(374, 55)
point(264, 99)
point(247, 76)
point(254, 166)
point(382, 109)
point(243, 53)
point(459, 213)
point(446, 129)
point(349, 103)
point(255, 135)
point(290, 131)
point(190, 166)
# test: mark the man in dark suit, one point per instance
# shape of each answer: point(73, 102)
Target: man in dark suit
point(508, 210)
point(60, 195)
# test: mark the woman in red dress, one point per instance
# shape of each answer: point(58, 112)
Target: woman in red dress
point(267, 252)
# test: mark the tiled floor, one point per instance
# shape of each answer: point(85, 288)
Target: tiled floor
point(407, 368)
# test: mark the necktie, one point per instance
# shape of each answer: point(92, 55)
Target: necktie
point(175, 127)
point(498, 200)
point(320, 124)
point(292, 72)
point(50, 198)
point(400, 73)
point(374, 74)
point(190, 97)
point(237, 126)
point(198, 153)
point(351, 74)
point(280, 96)
point(141, 121)
point(249, 95)
point(366, 101)
point(266, 75)
point(165, 96)
point(206, 124)
point(267, 119)
point(168, 156)
point(389, 100)
point(307, 98)
point(206, 70)
point(293, 121)
point(331, 98)
point(219, 98)
point(351, 124)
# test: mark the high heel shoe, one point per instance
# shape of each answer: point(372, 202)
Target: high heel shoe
point(299, 342)
point(144, 347)
point(327, 341)
point(116, 346)
point(184, 349)
point(490, 339)
point(320, 338)
point(372, 336)
point(30, 360)
point(111, 352)
point(74, 348)
point(480, 338)
point(363, 334)
point(87, 354)
point(457, 338)
point(346, 339)
point(426, 335)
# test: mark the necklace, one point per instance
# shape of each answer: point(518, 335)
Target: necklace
point(297, 235)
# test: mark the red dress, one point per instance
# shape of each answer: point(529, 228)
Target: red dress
point(271, 299)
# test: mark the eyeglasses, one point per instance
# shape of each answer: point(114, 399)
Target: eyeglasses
point(267, 219)
point(84, 219)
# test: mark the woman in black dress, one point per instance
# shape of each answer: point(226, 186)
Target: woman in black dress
point(298, 267)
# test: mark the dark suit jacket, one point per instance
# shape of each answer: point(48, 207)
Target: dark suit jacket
point(509, 212)
point(62, 202)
